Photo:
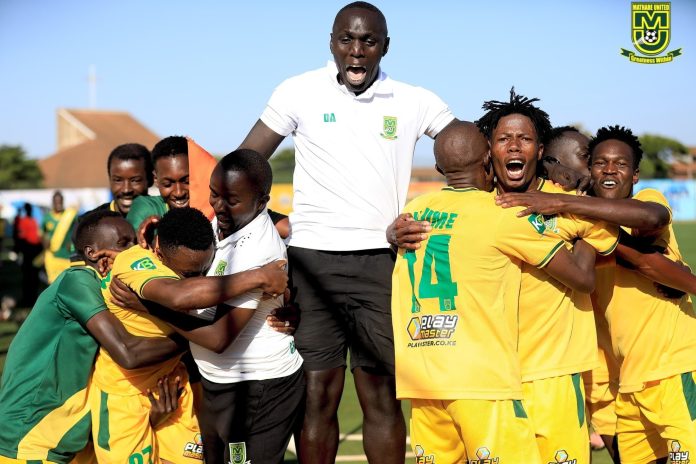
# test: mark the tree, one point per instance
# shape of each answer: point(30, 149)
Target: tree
point(283, 165)
point(658, 153)
point(16, 170)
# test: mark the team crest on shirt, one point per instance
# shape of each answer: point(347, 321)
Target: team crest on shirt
point(389, 128)
point(194, 449)
point(238, 453)
point(543, 223)
point(561, 456)
point(422, 458)
point(143, 264)
point(483, 456)
point(220, 268)
point(677, 454)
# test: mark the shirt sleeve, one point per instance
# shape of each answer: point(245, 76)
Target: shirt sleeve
point(601, 236)
point(435, 114)
point(136, 271)
point(525, 238)
point(280, 115)
point(142, 208)
point(654, 196)
point(80, 296)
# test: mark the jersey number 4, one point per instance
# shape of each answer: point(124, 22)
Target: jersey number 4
point(436, 259)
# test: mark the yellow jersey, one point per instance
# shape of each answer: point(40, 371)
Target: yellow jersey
point(652, 336)
point(557, 333)
point(135, 266)
point(452, 338)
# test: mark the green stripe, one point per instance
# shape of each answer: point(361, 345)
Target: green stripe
point(579, 399)
point(103, 435)
point(689, 388)
point(73, 441)
point(140, 292)
point(34, 462)
point(610, 250)
point(519, 409)
point(548, 257)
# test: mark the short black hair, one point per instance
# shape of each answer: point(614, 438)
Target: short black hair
point(88, 228)
point(622, 134)
point(363, 6)
point(518, 104)
point(256, 168)
point(558, 131)
point(57, 193)
point(174, 145)
point(132, 151)
point(186, 227)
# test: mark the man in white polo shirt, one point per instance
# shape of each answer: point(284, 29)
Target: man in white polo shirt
point(354, 130)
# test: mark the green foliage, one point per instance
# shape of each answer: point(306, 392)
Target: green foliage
point(659, 153)
point(283, 165)
point(16, 170)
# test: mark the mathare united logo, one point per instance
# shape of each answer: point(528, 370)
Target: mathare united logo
point(650, 33)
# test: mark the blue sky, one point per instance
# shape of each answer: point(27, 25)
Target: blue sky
point(207, 68)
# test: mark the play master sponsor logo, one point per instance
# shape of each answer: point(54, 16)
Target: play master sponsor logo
point(432, 330)
point(650, 33)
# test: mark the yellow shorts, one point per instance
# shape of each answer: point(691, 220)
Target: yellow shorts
point(658, 421)
point(600, 400)
point(54, 266)
point(472, 431)
point(556, 408)
point(122, 432)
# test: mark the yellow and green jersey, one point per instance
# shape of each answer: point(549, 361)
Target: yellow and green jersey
point(56, 228)
point(452, 336)
point(44, 414)
point(135, 266)
point(145, 206)
point(557, 333)
point(652, 336)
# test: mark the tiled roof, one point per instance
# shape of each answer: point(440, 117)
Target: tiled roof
point(94, 133)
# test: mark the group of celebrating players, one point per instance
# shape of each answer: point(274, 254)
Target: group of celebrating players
point(513, 313)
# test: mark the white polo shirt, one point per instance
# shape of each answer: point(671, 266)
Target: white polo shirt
point(353, 154)
point(258, 352)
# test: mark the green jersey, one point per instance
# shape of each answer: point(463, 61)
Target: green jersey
point(44, 410)
point(60, 245)
point(144, 207)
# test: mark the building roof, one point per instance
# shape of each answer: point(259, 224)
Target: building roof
point(85, 139)
point(685, 166)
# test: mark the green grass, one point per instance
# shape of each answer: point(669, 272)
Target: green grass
point(349, 413)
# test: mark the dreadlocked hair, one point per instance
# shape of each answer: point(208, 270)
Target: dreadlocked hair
point(518, 104)
point(622, 134)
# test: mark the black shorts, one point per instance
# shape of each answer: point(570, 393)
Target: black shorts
point(345, 303)
point(252, 420)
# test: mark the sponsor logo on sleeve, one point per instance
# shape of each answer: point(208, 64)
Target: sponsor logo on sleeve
point(143, 264)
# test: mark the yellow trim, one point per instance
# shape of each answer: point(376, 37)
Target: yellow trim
point(46, 435)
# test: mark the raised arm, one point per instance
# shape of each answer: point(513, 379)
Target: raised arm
point(129, 351)
point(574, 269)
point(656, 267)
point(262, 139)
point(201, 292)
point(648, 217)
point(220, 334)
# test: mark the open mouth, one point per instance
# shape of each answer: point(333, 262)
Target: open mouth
point(181, 203)
point(515, 169)
point(609, 183)
point(356, 74)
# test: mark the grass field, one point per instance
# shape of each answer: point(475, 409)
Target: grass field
point(350, 416)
